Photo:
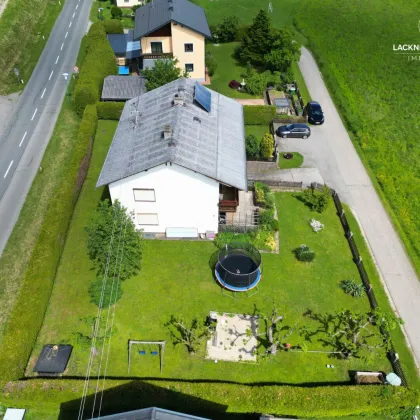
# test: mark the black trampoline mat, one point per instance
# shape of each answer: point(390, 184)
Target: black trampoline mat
point(239, 264)
point(53, 360)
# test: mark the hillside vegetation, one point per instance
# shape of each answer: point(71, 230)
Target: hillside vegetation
point(377, 92)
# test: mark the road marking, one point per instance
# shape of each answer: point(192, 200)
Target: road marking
point(51, 75)
point(8, 169)
point(70, 24)
point(56, 61)
point(77, 6)
point(33, 116)
point(43, 93)
point(23, 138)
point(66, 35)
point(74, 14)
point(62, 45)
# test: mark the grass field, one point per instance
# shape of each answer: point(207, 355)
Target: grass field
point(127, 22)
point(295, 162)
point(176, 279)
point(257, 130)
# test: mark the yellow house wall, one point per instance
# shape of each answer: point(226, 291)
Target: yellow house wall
point(182, 35)
point(165, 40)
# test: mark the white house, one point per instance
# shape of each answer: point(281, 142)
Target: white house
point(177, 159)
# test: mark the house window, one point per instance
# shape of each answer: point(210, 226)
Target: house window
point(156, 47)
point(144, 194)
point(147, 219)
point(189, 47)
point(189, 68)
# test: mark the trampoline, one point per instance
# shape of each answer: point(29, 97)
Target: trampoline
point(53, 359)
point(239, 267)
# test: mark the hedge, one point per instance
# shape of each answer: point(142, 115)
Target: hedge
point(110, 110)
point(213, 399)
point(99, 63)
point(28, 313)
point(259, 114)
point(113, 26)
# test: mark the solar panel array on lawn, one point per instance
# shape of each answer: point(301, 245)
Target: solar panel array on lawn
point(202, 96)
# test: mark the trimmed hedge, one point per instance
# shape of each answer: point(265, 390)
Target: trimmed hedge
point(213, 399)
point(99, 63)
point(110, 110)
point(259, 114)
point(113, 26)
point(31, 304)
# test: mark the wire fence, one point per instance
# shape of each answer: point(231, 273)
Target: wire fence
point(391, 354)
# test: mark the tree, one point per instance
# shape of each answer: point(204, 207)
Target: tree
point(267, 146)
point(258, 40)
point(191, 336)
point(317, 200)
point(163, 72)
point(257, 83)
point(116, 12)
point(114, 242)
point(284, 51)
point(252, 146)
point(211, 63)
point(228, 29)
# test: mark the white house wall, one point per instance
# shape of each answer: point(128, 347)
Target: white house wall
point(184, 199)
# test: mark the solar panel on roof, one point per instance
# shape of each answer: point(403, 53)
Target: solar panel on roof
point(202, 96)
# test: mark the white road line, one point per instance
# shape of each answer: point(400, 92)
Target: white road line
point(51, 75)
point(70, 24)
point(23, 138)
point(8, 169)
point(56, 61)
point(77, 6)
point(66, 35)
point(43, 93)
point(62, 45)
point(74, 14)
point(33, 116)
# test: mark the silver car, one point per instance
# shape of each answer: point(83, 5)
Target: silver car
point(297, 130)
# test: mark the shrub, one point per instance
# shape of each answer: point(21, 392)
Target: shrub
point(241, 32)
point(116, 12)
point(211, 63)
point(317, 200)
point(228, 29)
point(259, 114)
point(267, 221)
point(353, 288)
point(111, 294)
point(267, 146)
point(304, 254)
point(113, 26)
point(110, 110)
point(259, 193)
point(163, 72)
point(263, 239)
point(252, 145)
point(257, 83)
point(31, 304)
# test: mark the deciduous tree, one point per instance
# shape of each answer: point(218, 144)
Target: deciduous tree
point(163, 72)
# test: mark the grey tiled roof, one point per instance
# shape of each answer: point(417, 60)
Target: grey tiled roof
point(151, 414)
point(158, 13)
point(122, 87)
point(212, 144)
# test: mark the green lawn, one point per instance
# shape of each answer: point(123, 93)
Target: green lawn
point(176, 279)
point(228, 68)
point(127, 22)
point(257, 130)
point(295, 162)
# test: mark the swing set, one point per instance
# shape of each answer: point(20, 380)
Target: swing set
point(143, 352)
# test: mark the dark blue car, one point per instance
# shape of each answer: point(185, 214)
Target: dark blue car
point(315, 114)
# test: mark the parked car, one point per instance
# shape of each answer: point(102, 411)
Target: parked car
point(315, 114)
point(294, 130)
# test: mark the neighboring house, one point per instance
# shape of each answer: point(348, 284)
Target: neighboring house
point(177, 159)
point(151, 414)
point(173, 28)
point(122, 88)
point(127, 51)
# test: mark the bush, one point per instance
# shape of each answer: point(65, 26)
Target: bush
point(110, 110)
point(116, 12)
point(259, 192)
point(317, 200)
point(252, 145)
point(241, 32)
point(267, 221)
point(263, 239)
point(267, 146)
point(228, 29)
point(224, 238)
point(113, 26)
point(353, 288)
point(163, 72)
point(95, 292)
point(211, 63)
point(257, 83)
point(304, 254)
point(259, 114)
point(31, 304)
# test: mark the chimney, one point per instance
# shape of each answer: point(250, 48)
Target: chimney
point(170, 8)
point(178, 99)
point(167, 132)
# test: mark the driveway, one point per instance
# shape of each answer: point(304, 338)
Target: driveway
point(330, 149)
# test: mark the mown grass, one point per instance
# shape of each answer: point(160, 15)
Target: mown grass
point(176, 279)
point(256, 130)
point(127, 22)
point(375, 90)
point(295, 162)
point(22, 27)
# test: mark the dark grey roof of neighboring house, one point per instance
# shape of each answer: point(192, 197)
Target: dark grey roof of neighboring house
point(158, 13)
point(212, 144)
point(152, 413)
point(122, 87)
point(118, 43)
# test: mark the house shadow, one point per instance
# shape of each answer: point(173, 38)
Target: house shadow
point(137, 394)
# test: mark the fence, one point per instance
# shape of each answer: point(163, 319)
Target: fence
point(238, 222)
point(275, 185)
point(299, 96)
point(391, 354)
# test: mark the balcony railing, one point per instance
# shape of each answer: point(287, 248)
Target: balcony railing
point(157, 56)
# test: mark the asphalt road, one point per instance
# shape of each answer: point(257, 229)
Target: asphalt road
point(330, 149)
point(24, 140)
